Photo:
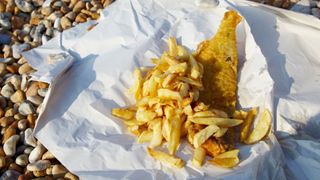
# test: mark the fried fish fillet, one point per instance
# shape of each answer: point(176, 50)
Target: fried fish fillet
point(219, 59)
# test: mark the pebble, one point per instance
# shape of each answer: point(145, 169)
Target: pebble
point(22, 160)
point(3, 68)
point(17, 97)
point(16, 81)
point(78, 6)
point(39, 165)
point(5, 39)
point(48, 155)
point(24, 5)
point(29, 138)
point(7, 90)
point(24, 82)
point(17, 49)
point(9, 146)
point(22, 125)
point(36, 100)
point(70, 176)
point(65, 23)
point(25, 68)
point(37, 153)
point(316, 11)
point(10, 175)
point(26, 108)
point(6, 121)
point(58, 170)
point(28, 150)
point(42, 92)
point(46, 11)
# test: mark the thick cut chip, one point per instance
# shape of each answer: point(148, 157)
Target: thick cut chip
point(166, 158)
point(125, 114)
point(228, 159)
point(261, 129)
point(220, 60)
point(220, 132)
point(145, 136)
point(157, 134)
point(204, 134)
point(223, 122)
point(247, 124)
point(198, 156)
point(175, 133)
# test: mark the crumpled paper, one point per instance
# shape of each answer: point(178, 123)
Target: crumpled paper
point(76, 125)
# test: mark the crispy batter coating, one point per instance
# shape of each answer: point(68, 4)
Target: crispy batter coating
point(220, 61)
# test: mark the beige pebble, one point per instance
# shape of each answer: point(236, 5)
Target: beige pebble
point(25, 68)
point(46, 11)
point(78, 6)
point(48, 155)
point(10, 112)
point(17, 97)
point(36, 100)
point(22, 124)
point(70, 176)
point(58, 170)
point(39, 173)
point(81, 18)
point(65, 23)
point(33, 89)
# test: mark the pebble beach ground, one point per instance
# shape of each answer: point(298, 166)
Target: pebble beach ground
point(26, 24)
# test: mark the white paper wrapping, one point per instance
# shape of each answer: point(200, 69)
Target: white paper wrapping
point(76, 125)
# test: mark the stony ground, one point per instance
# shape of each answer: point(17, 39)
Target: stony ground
point(26, 24)
point(311, 7)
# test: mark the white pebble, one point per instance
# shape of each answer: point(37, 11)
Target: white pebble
point(17, 49)
point(9, 146)
point(24, 82)
point(37, 153)
point(37, 100)
point(15, 81)
point(29, 138)
point(42, 92)
point(26, 108)
point(28, 150)
point(7, 90)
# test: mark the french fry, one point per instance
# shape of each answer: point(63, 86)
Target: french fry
point(227, 159)
point(204, 134)
point(137, 87)
point(222, 122)
point(262, 128)
point(195, 70)
point(145, 136)
point(122, 113)
point(183, 53)
point(169, 94)
point(166, 158)
point(145, 115)
point(178, 68)
point(156, 134)
point(175, 133)
point(198, 156)
point(247, 124)
point(173, 47)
